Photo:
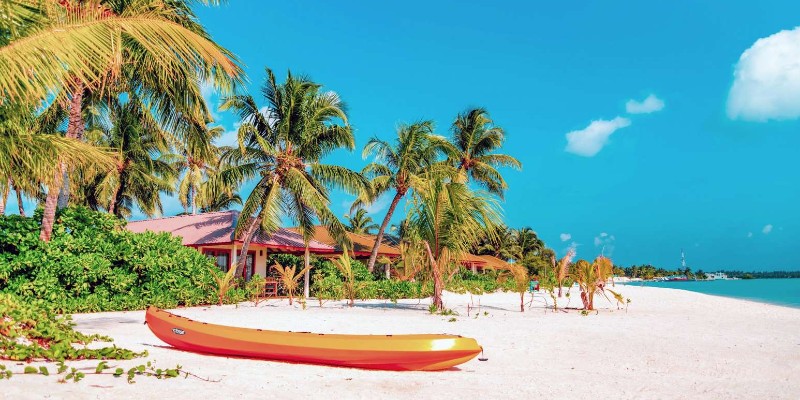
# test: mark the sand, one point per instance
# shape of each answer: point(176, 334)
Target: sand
point(670, 344)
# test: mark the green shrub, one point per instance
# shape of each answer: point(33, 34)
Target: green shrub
point(93, 264)
point(30, 330)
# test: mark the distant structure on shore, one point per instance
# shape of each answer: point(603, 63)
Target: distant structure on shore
point(714, 276)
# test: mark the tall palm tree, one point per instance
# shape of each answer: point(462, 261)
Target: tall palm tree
point(155, 46)
point(448, 217)
point(360, 223)
point(143, 171)
point(282, 148)
point(399, 168)
point(196, 161)
point(474, 141)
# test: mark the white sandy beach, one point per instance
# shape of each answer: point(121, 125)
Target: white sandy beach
point(670, 344)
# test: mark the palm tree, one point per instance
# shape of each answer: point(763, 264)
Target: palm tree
point(474, 140)
point(397, 168)
point(282, 149)
point(360, 222)
point(447, 218)
point(196, 162)
point(498, 241)
point(143, 171)
point(159, 51)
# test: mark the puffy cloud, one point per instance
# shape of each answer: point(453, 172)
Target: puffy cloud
point(589, 141)
point(767, 229)
point(649, 105)
point(606, 243)
point(766, 80)
point(565, 236)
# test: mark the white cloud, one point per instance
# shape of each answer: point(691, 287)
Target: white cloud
point(749, 234)
point(374, 209)
point(649, 105)
point(606, 243)
point(589, 141)
point(766, 80)
point(767, 229)
point(565, 236)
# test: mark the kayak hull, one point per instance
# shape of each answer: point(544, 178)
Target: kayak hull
point(384, 352)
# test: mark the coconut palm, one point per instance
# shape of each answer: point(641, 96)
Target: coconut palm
point(399, 168)
point(282, 149)
point(196, 161)
point(498, 241)
point(143, 171)
point(447, 217)
point(360, 223)
point(474, 141)
point(155, 47)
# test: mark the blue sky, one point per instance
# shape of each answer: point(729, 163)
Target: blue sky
point(698, 166)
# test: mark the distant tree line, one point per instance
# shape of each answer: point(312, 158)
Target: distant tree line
point(647, 271)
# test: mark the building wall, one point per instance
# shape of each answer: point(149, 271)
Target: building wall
point(260, 259)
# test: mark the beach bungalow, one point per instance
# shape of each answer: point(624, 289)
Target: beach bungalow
point(491, 262)
point(362, 244)
point(212, 234)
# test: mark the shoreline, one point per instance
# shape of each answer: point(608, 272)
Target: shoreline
point(669, 344)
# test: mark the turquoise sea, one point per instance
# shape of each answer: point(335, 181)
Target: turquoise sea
point(785, 292)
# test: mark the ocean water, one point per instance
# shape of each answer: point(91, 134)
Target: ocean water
point(785, 292)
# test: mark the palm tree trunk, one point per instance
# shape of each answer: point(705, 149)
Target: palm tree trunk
point(248, 236)
point(74, 131)
point(19, 198)
point(113, 204)
point(307, 277)
point(49, 215)
point(379, 238)
point(4, 197)
point(437, 278)
point(191, 199)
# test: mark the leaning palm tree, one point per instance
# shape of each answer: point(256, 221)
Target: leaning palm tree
point(360, 223)
point(282, 148)
point(447, 217)
point(472, 150)
point(398, 168)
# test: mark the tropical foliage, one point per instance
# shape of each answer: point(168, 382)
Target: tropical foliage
point(397, 168)
point(360, 222)
point(282, 148)
point(92, 264)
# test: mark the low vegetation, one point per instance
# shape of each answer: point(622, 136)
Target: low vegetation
point(92, 264)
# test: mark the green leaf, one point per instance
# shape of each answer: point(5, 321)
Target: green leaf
point(30, 370)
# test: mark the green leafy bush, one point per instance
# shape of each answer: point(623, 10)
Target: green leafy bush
point(31, 331)
point(93, 264)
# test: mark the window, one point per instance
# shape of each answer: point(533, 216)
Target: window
point(222, 258)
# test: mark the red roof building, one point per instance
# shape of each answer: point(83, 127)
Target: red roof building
point(212, 234)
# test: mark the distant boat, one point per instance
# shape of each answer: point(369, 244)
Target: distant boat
point(717, 276)
point(675, 278)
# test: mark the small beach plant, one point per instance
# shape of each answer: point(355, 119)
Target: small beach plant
point(350, 286)
point(520, 278)
point(255, 288)
point(224, 282)
point(290, 278)
point(549, 281)
point(562, 271)
point(592, 277)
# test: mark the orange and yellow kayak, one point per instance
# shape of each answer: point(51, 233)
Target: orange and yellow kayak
point(387, 352)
